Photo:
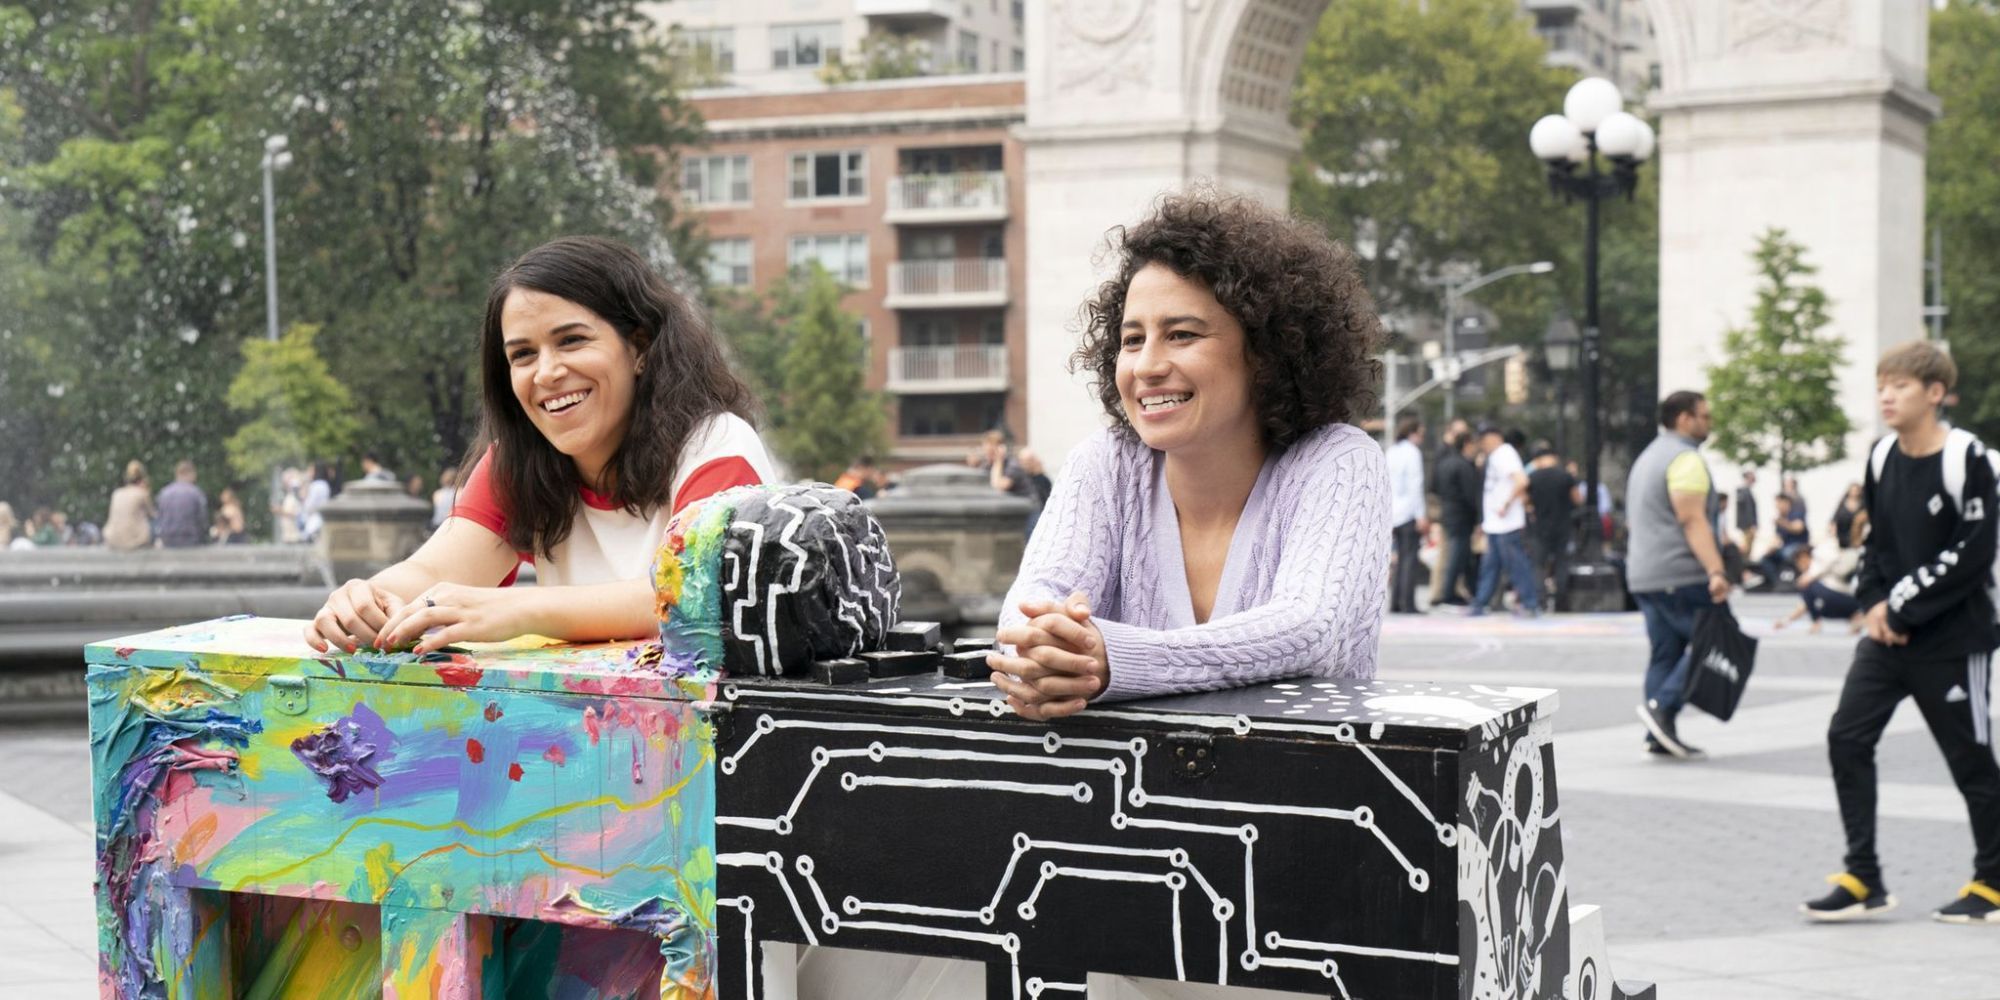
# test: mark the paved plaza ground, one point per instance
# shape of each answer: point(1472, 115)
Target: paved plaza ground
point(1698, 866)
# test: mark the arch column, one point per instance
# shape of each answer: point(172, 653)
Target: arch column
point(1808, 115)
point(1128, 99)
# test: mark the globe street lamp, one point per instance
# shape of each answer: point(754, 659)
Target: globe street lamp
point(1452, 293)
point(276, 158)
point(1592, 122)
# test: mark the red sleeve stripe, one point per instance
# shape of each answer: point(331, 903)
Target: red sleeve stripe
point(713, 477)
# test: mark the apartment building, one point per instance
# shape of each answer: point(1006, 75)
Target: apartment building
point(784, 44)
point(909, 191)
point(1608, 38)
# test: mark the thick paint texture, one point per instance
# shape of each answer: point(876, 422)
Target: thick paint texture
point(523, 806)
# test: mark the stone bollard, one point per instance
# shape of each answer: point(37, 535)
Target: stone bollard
point(371, 526)
point(957, 542)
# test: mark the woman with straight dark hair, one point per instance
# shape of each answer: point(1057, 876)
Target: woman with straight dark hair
point(609, 405)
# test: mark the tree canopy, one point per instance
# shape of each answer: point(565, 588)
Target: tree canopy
point(1963, 190)
point(1776, 397)
point(431, 143)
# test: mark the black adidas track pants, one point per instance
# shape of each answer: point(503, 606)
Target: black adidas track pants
point(1953, 695)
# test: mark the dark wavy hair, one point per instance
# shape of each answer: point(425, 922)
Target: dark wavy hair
point(1308, 321)
point(684, 377)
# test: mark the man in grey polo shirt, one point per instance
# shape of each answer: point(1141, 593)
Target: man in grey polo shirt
point(1673, 566)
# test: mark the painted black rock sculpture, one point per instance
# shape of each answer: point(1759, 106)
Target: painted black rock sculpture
point(762, 581)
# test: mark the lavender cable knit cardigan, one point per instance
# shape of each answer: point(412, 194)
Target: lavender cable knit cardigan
point(1301, 591)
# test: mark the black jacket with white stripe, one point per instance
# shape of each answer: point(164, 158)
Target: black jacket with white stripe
point(1930, 562)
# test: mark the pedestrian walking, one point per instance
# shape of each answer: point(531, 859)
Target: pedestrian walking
point(1458, 488)
point(1673, 566)
point(1746, 511)
point(1929, 493)
point(318, 492)
point(1505, 521)
point(1408, 525)
point(183, 510)
point(443, 497)
point(1552, 500)
point(129, 524)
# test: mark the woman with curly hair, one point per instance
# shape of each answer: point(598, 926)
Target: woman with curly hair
point(1230, 527)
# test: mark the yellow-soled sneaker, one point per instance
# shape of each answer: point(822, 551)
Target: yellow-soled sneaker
point(1977, 903)
point(1851, 899)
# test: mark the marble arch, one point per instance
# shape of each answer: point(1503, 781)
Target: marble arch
point(1805, 114)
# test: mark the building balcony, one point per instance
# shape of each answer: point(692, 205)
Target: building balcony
point(963, 368)
point(979, 196)
point(966, 282)
point(907, 12)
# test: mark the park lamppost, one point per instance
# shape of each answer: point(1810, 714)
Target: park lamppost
point(1592, 122)
point(1452, 293)
point(276, 158)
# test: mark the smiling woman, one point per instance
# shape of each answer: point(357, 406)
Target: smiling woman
point(608, 406)
point(1230, 527)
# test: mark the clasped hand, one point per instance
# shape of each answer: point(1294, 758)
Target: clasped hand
point(360, 614)
point(1058, 663)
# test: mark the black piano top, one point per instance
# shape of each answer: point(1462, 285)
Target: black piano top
point(1421, 713)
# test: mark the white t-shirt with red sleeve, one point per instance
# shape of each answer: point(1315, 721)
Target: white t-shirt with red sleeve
point(605, 543)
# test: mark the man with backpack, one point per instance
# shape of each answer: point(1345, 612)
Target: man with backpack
point(1930, 499)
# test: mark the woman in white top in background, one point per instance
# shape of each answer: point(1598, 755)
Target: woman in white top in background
point(609, 405)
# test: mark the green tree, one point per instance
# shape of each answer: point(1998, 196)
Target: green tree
point(432, 143)
point(1963, 191)
point(1776, 400)
point(1415, 119)
point(297, 411)
point(825, 413)
point(881, 55)
point(755, 335)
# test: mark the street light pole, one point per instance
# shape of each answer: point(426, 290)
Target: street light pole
point(1593, 549)
point(276, 158)
point(1452, 293)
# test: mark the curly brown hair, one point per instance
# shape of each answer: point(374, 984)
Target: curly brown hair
point(1308, 321)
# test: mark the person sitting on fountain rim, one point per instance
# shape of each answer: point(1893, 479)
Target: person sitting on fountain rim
point(1230, 527)
point(608, 406)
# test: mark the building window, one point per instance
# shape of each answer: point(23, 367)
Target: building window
point(805, 45)
point(844, 255)
point(716, 180)
point(968, 52)
point(938, 416)
point(1020, 61)
point(932, 246)
point(713, 49)
point(829, 175)
point(729, 263)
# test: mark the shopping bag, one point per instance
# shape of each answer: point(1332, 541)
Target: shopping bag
point(1720, 658)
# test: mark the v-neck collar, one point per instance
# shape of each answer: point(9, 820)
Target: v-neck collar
point(1179, 603)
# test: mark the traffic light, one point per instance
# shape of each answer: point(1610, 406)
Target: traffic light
point(1516, 378)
